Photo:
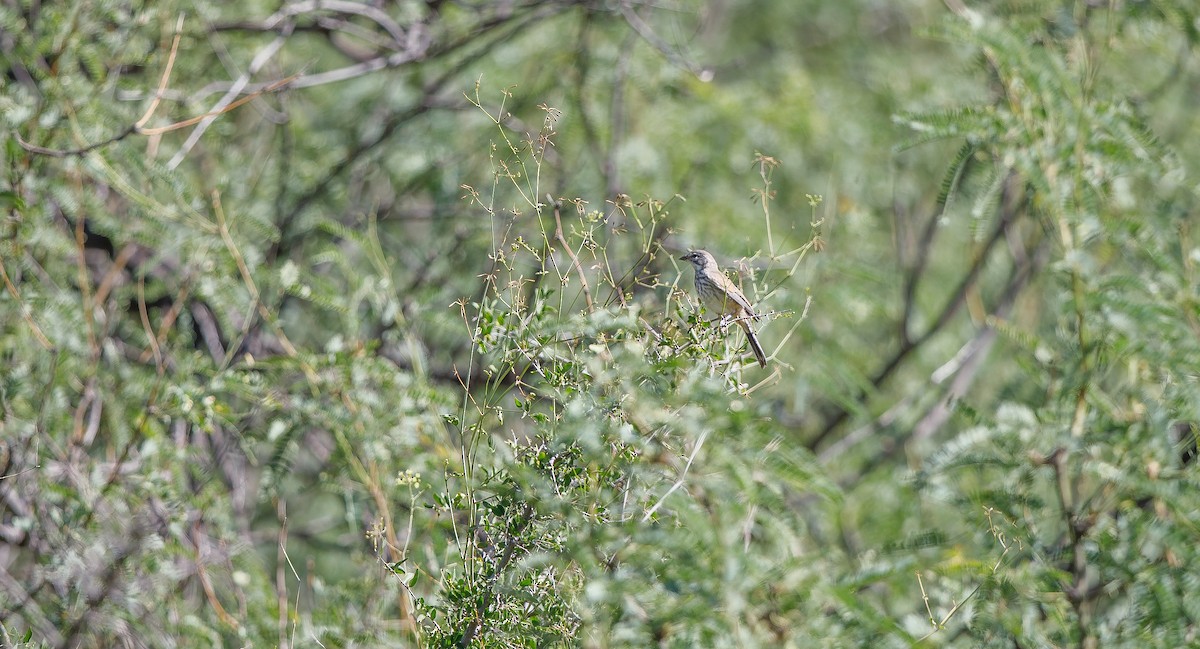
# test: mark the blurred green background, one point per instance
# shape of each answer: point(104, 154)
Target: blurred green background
point(336, 323)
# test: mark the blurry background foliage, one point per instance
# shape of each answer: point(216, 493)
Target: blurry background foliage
point(336, 323)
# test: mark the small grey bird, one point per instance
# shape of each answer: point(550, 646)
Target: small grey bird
point(720, 294)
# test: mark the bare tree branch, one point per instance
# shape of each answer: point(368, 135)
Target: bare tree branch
point(1010, 207)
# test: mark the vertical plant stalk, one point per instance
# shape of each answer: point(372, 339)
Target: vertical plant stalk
point(766, 165)
point(558, 234)
point(27, 314)
point(512, 542)
point(1082, 592)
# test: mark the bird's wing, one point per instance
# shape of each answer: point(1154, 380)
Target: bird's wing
point(736, 295)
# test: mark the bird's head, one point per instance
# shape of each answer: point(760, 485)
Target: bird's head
point(701, 259)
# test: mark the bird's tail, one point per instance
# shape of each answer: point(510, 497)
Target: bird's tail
point(758, 350)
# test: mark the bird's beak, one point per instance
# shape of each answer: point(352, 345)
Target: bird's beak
point(683, 258)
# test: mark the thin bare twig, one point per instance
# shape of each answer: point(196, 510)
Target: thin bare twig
point(27, 314)
point(134, 129)
point(260, 59)
point(166, 75)
point(558, 234)
point(647, 33)
point(678, 483)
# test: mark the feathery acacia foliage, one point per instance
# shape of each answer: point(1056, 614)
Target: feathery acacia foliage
point(317, 331)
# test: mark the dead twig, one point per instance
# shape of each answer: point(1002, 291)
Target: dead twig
point(558, 234)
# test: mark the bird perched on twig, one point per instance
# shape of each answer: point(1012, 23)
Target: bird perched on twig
point(718, 293)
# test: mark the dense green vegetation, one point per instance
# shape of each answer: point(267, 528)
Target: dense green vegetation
point(336, 324)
